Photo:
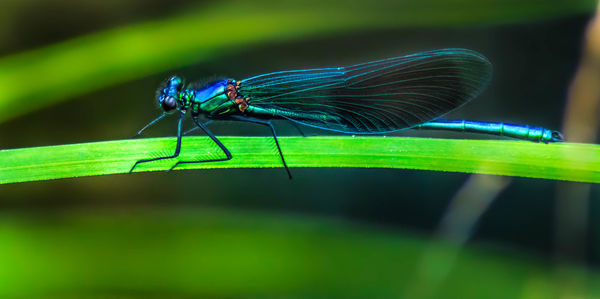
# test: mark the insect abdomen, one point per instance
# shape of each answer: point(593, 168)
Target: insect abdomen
point(274, 112)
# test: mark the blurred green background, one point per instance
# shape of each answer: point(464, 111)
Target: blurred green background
point(74, 71)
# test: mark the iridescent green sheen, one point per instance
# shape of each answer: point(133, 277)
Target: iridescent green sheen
point(283, 113)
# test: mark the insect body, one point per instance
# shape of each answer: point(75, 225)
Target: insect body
point(411, 91)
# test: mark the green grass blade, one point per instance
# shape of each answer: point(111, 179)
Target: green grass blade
point(38, 78)
point(559, 161)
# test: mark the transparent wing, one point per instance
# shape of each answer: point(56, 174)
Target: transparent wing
point(373, 97)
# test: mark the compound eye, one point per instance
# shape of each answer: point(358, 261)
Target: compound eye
point(169, 103)
point(175, 83)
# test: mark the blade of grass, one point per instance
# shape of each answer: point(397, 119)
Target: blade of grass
point(38, 78)
point(559, 161)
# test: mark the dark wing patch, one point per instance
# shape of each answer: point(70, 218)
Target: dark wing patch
point(374, 97)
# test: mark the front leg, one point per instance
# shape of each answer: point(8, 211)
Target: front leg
point(215, 139)
point(177, 147)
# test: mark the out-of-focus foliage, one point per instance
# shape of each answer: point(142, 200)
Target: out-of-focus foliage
point(217, 253)
point(94, 61)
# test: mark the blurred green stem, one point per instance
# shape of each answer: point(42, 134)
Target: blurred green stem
point(203, 253)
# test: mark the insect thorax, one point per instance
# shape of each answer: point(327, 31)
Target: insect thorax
point(211, 99)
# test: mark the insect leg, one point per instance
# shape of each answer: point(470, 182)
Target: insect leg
point(206, 123)
point(265, 123)
point(177, 147)
point(297, 128)
point(139, 133)
point(214, 138)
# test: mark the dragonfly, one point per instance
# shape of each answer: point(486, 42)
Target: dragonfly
point(408, 92)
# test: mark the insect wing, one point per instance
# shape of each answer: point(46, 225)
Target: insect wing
point(374, 97)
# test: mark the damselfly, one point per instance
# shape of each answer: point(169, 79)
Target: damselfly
point(377, 97)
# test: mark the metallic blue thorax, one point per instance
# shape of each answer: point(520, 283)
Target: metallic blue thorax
point(211, 99)
point(211, 90)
